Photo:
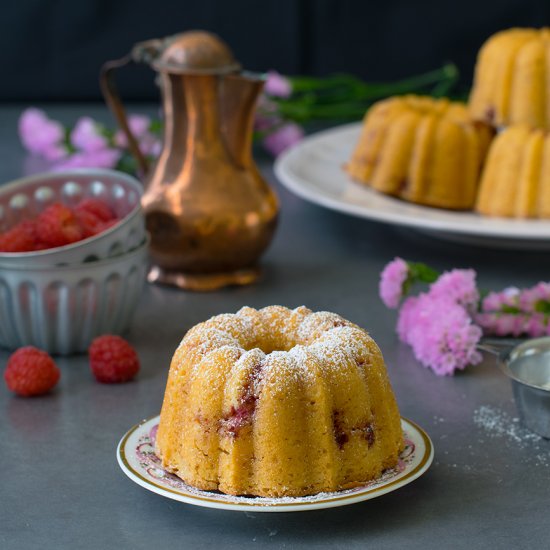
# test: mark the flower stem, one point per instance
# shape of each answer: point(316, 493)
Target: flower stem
point(347, 97)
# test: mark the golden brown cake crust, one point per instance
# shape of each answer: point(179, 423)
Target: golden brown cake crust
point(278, 402)
point(516, 178)
point(423, 150)
point(511, 79)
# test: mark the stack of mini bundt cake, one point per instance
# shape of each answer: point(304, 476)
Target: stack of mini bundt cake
point(512, 92)
point(433, 152)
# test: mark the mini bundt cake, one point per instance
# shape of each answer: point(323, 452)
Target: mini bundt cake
point(421, 149)
point(511, 79)
point(516, 178)
point(278, 402)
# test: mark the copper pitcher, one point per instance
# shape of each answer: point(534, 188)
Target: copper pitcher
point(208, 209)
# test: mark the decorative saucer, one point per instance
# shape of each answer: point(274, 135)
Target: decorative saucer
point(136, 457)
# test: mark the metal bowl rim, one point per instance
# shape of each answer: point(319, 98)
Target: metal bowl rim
point(504, 364)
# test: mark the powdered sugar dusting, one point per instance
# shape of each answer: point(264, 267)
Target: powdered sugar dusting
point(300, 333)
point(498, 424)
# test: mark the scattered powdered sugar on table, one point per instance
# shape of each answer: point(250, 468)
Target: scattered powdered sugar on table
point(498, 424)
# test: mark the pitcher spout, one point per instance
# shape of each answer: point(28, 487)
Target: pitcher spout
point(239, 94)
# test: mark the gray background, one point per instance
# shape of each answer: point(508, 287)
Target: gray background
point(60, 485)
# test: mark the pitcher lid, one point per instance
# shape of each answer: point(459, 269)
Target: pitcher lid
point(192, 52)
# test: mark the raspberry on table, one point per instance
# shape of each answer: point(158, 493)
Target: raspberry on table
point(58, 226)
point(30, 372)
point(20, 238)
point(113, 359)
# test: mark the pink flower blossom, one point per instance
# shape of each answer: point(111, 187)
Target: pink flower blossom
point(103, 158)
point(512, 324)
point(265, 122)
point(139, 126)
point(41, 135)
point(440, 332)
point(283, 137)
point(459, 285)
point(150, 145)
point(530, 298)
point(277, 85)
point(391, 283)
point(406, 320)
point(495, 301)
point(55, 152)
point(87, 137)
point(537, 325)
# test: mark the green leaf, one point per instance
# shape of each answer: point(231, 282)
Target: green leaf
point(422, 273)
point(510, 309)
point(67, 141)
point(542, 306)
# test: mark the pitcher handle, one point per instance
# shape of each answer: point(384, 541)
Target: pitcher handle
point(112, 98)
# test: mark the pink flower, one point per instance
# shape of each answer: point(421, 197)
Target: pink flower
point(103, 158)
point(87, 137)
point(139, 126)
point(495, 301)
point(41, 135)
point(265, 122)
point(277, 85)
point(536, 325)
point(150, 145)
point(391, 283)
point(407, 318)
point(440, 332)
point(459, 285)
point(283, 137)
point(513, 324)
point(530, 298)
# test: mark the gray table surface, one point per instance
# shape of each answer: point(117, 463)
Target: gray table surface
point(61, 487)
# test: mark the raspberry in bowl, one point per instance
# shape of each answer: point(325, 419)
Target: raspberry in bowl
point(71, 207)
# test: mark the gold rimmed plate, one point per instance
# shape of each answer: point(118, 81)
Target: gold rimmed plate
point(136, 457)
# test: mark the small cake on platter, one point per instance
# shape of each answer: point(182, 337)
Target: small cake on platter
point(511, 79)
point(278, 402)
point(423, 150)
point(516, 178)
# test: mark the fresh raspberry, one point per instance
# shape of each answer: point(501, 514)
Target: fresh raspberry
point(20, 238)
point(112, 359)
point(31, 371)
point(100, 209)
point(58, 226)
point(94, 216)
point(90, 224)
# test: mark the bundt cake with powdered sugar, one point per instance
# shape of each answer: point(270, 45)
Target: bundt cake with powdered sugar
point(278, 402)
